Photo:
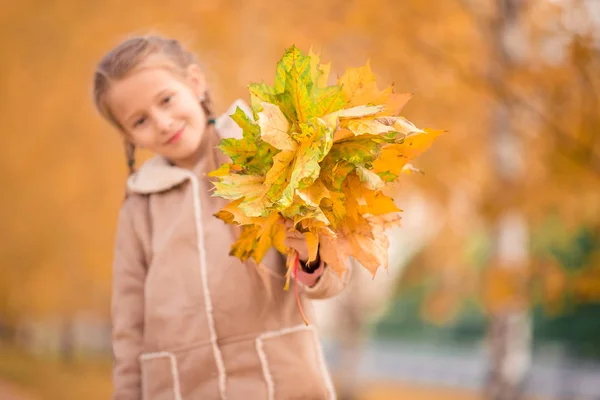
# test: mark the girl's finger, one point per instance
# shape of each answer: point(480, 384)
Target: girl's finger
point(295, 235)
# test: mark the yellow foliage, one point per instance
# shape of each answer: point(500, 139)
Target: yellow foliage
point(324, 150)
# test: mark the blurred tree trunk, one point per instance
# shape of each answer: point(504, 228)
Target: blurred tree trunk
point(509, 330)
point(67, 341)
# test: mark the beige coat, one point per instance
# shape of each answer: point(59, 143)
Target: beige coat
point(191, 322)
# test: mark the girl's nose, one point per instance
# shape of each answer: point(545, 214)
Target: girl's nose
point(164, 122)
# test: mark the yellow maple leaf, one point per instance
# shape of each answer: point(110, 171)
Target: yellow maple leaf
point(312, 241)
point(375, 126)
point(335, 252)
point(369, 179)
point(391, 160)
point(274, 127)
point(334, 208)
point(319, 73)
point(281, 164)
point(394, 158)
point(378, 203)
point(224, 170)
point(353, 197)
point(269, 228)
point(232, 213)
point(395, 102)
point(370, 245)
point(360, 87)
point(315, 214)
point(313, 194)
point(416, 143)
point(359, 111)
point(360, 239)
point(342, 134)
point(278, 235)
point(258, 237)
point(243, 248)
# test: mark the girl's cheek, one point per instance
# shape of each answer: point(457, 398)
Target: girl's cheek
point(150, 136)
point(142, 138)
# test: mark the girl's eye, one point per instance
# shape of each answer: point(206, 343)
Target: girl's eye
point(139, 122)
point(167, 100)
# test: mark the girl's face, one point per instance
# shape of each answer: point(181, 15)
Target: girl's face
point(161, 112)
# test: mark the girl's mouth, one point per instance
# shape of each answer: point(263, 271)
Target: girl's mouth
point(176, 136)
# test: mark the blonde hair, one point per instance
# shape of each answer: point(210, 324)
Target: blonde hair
point(129, 56)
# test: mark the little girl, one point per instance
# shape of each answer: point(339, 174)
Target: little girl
point(190, 321)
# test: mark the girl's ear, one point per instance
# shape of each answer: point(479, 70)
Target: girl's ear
point(196, 80)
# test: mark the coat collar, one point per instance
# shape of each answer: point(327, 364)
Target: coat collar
point(158, 175)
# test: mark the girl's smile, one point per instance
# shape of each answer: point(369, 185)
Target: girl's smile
point(176, 136)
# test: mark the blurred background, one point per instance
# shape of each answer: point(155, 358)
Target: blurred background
point(493, 289)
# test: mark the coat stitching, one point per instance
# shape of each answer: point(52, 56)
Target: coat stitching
point(207, 299)
point(265, 362)
point(174, 370)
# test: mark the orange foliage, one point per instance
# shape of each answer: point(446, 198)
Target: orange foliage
point(64, 172)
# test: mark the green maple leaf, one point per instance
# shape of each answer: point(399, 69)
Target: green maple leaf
point(236, 186)
point(334, 207)
point(260, 92)
point(288, 60)
point(241, 151)
point(250, 129)
point(297, 92)
point(278, 176)
point(313, 138)
point(327, 100)
point(255, 155)
point(336, 173)
point(359, 150)
point(387, 176)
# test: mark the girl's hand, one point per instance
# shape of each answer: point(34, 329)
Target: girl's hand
point(296, 241)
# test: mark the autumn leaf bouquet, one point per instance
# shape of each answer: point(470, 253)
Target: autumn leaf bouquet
point(319, 156)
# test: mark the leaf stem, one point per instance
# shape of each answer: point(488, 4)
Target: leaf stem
point(295, 273)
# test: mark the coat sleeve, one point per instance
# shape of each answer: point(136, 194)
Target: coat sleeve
point(129, 274)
